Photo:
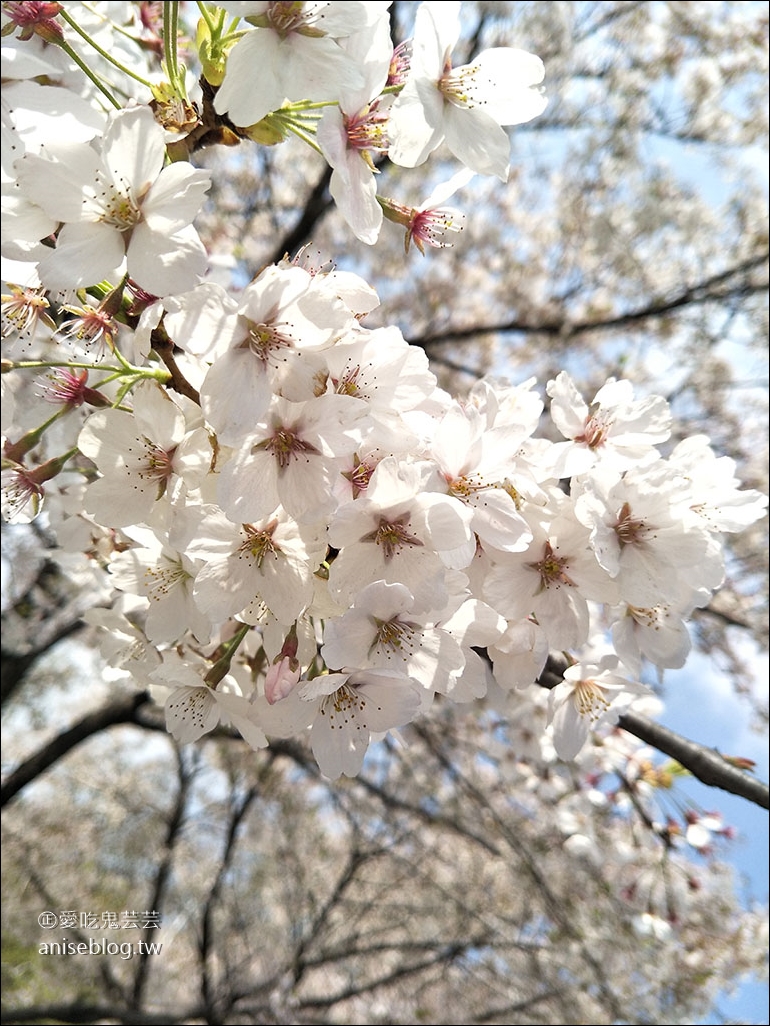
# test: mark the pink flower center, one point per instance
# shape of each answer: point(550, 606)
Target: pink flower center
point(393, 536)
point(286, 446)
point(552, 569)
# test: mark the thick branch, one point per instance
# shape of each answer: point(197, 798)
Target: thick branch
point(706, 764)
point(15, 667)
point(122, 710)
point(82, 1014)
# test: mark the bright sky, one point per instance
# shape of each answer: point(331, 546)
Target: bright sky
point(700, 704)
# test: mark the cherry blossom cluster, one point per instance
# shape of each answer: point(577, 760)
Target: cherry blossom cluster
point(295, 530)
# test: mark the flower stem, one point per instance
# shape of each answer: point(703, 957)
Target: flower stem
point(88, 73)
point(103, 53)
point(222, 666)
point(170, 29)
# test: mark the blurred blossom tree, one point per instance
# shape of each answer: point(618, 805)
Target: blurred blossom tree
point(384, 412)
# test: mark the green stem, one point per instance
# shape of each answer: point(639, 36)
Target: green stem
point(16, 451)
point(88, 73)
point(303, 105)
point(222, 665)
point(159, 374)
point(44, 364)
point(170, 29)
point(301, 134)
point(104, 53)
point(115, 27)
point(206, 15)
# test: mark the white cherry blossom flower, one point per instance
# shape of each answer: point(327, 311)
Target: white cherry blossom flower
point(343, 710)
point(474, 625)
point(643, 538)
point(293, 53)
point(715, 495)
point(380, 368)
point(553, 581)
point(165, 577)
point(430, 222)
point(291, 459)
point(400, 533)
point(464, 107)
point(140, 455)
point(120, 207)
point(519, 655)
point(123, 645)
point(656, 633)
point(194, 708)
point(381, 631)
point(352, 134)
point(615, 429)
point(590, 694)
point(270, 561)
point(284, 315)
point(477, 463)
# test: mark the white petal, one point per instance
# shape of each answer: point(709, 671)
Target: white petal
point(133, 150)
point(175, 198)
point(85, 254)
point(251, 88)
point(162, 264)
point(509, 73)
point(191, 713)
point(477, 140)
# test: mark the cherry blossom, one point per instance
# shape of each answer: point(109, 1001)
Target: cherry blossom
point(254, 468)
point(293, 52)
point(589, 694)
point(120, 204)
point(398, 533)
point(141, 455)
point(430, 222)
point(270, 561)
point(194, 708)
point(165, 577)
point(614, 427)
point(291, 459)
point(641, 540)
point(344, 710)
point(379, 631)
point(551, 581)
point(464, 107)
point(352, 135)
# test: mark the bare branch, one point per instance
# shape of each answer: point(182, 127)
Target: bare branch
point(82, 1014)
point(717, 288)
point(705, 764)
point(163, 871)
point(122, 710)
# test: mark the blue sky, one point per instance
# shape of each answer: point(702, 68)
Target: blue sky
point(700, 704)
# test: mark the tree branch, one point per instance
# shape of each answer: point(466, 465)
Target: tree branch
point(207, 946)
point(163, 871)
point(318, 203)
point(82, 1014)
point(564, 329)
point(122, 710)
point(705, 764)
